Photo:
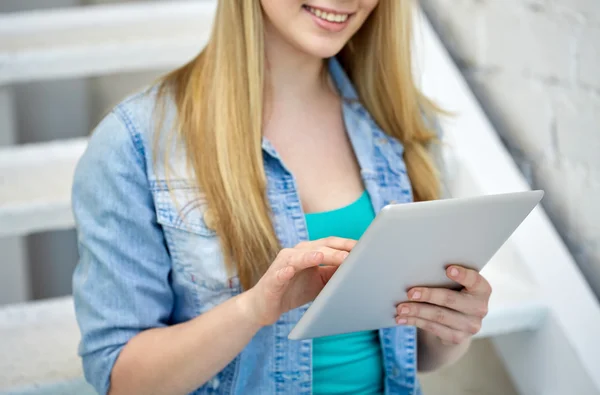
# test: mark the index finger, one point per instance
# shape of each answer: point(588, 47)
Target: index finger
point(337, 243)
point(472, 280)
point(320, 256)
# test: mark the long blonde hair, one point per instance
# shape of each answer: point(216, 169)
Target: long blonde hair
point(219, 98)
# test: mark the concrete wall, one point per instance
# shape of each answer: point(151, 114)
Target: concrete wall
point(535, 67)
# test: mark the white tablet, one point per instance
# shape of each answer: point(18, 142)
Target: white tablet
point(411, 245)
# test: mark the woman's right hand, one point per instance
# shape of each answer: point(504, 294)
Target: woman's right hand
point(295, 278)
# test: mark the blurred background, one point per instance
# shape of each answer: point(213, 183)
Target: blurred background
point(43, 111)
point(533, 65)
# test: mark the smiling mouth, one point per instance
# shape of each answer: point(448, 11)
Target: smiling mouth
point(327, 15)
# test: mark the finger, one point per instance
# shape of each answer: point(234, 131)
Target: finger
point(297, 258)
point(455, 300)
point(301, 260)
point(440, 315)
point(473, 281)
point(337, 243)
point(444, 333)
point(322, 256)
point(332, 256)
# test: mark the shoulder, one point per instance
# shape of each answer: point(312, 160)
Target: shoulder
point(117, 167)
point(126, 134)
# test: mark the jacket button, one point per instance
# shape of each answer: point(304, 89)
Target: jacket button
point(209, 219)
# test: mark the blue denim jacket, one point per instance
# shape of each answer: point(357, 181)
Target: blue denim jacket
point(142, 267)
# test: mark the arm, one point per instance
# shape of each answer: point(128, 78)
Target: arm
point(433, 353)
point(181, 358)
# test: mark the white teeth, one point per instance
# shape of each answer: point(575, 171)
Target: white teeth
point(328, 16)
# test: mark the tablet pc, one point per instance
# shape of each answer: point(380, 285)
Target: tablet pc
point(410, 245)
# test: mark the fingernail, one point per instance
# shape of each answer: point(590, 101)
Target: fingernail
point(416, 295)
point(454, 272)
point(314, 255)
point(401, 321)
point(404, 310)
point(345, 255)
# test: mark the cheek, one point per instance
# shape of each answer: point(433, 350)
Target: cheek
point(277, 11)
point(366, 8)
point(270, 8)
point(369, 4)
point(282, 15)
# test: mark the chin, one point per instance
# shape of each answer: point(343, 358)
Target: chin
point(321, 48)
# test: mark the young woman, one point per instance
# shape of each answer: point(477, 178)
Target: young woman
point(212, 208)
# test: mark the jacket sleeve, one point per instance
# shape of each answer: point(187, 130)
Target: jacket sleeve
point(121, 283)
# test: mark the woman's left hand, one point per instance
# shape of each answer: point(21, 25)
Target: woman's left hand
point(452, 316)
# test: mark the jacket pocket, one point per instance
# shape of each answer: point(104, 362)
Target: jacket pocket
point(181, 205)
point(195, 248)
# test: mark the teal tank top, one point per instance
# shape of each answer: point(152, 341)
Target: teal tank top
point(349, 363)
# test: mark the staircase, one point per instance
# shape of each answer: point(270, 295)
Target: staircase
point(544, 320)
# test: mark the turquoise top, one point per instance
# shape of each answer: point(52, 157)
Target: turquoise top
point(350, 363)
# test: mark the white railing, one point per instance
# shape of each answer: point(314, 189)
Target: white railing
point(531, 319)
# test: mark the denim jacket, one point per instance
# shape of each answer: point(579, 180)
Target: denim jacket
point(142, 267)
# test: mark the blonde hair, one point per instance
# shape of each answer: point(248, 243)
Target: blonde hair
point(219, 98)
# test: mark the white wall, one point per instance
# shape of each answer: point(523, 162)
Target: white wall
point(535, 66)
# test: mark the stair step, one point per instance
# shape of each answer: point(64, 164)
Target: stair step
point(35, 186)
point(103, 39)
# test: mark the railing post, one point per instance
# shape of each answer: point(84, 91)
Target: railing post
point(14, 283)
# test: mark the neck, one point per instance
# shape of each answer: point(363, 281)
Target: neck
point(292, 75)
